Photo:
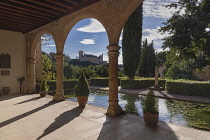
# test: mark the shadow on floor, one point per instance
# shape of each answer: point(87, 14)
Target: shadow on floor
point(133, 128)
point(2, 124)
point(61, 120)
point(32, 99)
point(8, 97)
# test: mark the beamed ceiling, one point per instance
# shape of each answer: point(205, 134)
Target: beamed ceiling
point(27, 15)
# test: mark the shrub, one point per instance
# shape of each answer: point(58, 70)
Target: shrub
point(150, 104)
point(43, 86)
point(102, 82)
point(190, 88)
point(82, 87)
point(67, 84)
point(140, 83)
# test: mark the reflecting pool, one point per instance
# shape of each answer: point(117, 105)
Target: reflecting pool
point(177, 112)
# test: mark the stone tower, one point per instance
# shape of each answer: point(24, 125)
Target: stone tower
point(80, 54)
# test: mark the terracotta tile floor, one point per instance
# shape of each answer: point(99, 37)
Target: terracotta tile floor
point(29, 117)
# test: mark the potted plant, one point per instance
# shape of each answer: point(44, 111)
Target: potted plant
point(82, 90)
point(150, 110)
point(43, 88)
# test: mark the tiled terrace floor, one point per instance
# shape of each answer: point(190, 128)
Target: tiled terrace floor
point(29, 117)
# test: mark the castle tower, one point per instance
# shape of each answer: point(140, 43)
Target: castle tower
point(80, 54)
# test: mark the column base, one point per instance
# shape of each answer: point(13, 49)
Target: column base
point(32, 91)
point(58, 98)
point(114, 109)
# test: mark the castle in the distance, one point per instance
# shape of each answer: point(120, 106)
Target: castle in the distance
point(92, 58)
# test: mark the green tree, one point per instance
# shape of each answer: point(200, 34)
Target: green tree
point(189, 30)
point(161, 58)
point(147, 61)
point(68, 71)
point(46, 68)
point(131, 42)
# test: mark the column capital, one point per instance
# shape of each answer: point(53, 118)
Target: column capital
point(113, 48)
point(59, 56)
point(31, 60)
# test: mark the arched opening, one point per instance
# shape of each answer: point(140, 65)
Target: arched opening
point(85, 50)
point(45, 68)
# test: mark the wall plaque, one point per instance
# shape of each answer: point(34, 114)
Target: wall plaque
point(5, 72)
point(5, 61)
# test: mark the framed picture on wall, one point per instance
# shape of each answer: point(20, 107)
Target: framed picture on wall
point(5, 61)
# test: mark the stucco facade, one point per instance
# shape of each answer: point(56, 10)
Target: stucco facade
point(13, 43)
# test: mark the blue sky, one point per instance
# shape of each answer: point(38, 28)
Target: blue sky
point(90, 36)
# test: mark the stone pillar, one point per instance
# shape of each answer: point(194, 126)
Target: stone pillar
point(113, 109)
point(59, 96)
point(38, 56)
point(156, 86)
point(31, 75)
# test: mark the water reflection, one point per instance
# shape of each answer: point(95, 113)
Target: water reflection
point(172, 111)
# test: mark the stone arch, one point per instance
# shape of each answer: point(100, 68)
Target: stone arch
point(36, 38)
point(70, 23)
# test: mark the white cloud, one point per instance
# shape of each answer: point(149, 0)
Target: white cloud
point(87, 41)
point(94, 27)
point(156, 8)
point(51, 45)
point(154, 35)
point(46, 49)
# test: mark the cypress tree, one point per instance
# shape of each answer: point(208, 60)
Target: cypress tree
point(143, 62)
point(147, 62)
point(131, 42)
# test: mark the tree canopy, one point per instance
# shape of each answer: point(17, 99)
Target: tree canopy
point(189, 28)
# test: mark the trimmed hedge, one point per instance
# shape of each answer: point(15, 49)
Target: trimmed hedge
point(66, 84)
point(140, 83)
point(190, 88)
point(102, 82)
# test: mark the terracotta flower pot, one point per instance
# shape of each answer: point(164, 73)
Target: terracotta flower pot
point(43, 93)
point(6, 90)
point(82, 101)
point(151, 119)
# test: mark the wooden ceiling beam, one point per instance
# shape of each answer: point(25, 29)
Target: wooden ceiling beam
point(72, 2)
point(3, 25)
point(61, 3)
point(18, 21)
point(35, 6)
point(47, 4)
point(10, 23)
point(18, 18)
point(21, 12)
point(11, 29)
point(14, 27)
point(15, 14)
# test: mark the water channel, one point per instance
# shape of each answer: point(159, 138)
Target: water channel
point(184, 113)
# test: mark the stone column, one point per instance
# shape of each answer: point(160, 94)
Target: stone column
point(59, 96)
point(31, 75)
point(114, 109)
point(156, 86)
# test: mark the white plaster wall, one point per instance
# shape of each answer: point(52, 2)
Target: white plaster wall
point(13, 43)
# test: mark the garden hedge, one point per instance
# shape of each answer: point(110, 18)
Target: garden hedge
point(66, 84)
point(140, 83)
point(102, 82)
point(190, 88)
